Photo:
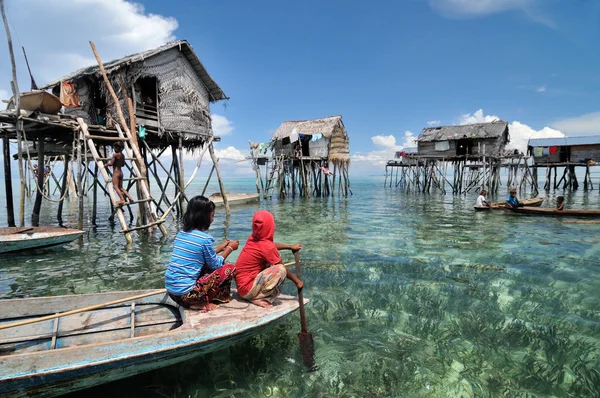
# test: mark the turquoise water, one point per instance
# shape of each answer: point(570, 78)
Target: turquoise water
point(411, 295)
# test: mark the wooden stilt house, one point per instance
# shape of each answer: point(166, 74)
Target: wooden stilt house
point(153, 102)
point(308, 158)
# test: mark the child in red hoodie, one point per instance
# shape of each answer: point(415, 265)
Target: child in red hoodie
point(259, 269)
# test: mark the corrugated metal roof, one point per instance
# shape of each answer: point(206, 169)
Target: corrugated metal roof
point(478, 130)
point(412, 151)
point(565, 141)
point(213, 88)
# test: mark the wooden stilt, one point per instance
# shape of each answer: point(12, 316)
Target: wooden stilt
point(10, 212)
point(211, 150)
point(35, 216)
point(63, 189)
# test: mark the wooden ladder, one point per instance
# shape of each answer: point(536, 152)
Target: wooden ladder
point(145, 200)
point(270, 185)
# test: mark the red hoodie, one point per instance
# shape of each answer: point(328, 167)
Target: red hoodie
point(259, 253)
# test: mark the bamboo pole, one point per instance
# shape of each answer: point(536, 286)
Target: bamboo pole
point(10, 212)
point(211, 150)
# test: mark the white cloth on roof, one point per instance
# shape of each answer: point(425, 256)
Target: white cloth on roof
point(294, 135)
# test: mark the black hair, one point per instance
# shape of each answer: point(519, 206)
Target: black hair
point(197, 214)
point(117, 147)
point(560, 199)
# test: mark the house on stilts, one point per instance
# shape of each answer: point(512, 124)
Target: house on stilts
point(474, 154)
point(305, 158)
point(567, 153)
point(153, 103)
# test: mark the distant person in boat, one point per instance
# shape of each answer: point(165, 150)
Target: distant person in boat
point(560, 203)
point(117, 162)
point(259, 269)
point(197, 276)
point(512, 201)
point(481, 202)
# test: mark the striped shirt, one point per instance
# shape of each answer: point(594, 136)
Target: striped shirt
point(193, 255)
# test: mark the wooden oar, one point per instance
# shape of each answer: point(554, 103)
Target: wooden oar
point(307, 346)
point(23, 230)
point(92, 307)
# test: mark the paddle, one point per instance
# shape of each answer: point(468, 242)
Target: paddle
point(23, 230)
point(307, 346)
point(92, 307)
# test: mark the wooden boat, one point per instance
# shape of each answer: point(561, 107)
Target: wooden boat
point(234, 198)
point(82, 350)
point(38, 100)
point(546, 211)
point(532, 202)
point(22, 238)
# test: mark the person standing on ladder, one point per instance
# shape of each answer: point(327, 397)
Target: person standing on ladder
point(117, 162)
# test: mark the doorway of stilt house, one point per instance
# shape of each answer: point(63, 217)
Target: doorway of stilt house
point(305, 147)
point(464, 147)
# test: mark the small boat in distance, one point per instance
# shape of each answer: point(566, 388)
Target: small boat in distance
point(546, 211)
point(85, 349)
point(37, 100)
point(234, 198)
point(532, 202)
point(23, 238)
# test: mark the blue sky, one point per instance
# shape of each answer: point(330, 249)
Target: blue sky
point(389, 68)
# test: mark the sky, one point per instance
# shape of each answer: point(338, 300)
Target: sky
point(390, 68)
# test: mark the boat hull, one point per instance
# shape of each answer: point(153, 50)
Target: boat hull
point(539, 211)
point(235, 199)
point(51, 372)
point(35, 237)
point(38, 100)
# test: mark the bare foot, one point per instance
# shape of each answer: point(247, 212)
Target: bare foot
point(120, 203)
point(262, 303)
point(204, 307)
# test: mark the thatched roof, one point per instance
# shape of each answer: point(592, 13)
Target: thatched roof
point(494, 129)
point(323, 126)
point(213, 89)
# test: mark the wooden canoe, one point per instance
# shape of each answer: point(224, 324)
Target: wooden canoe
point(38, 100)
point(234, 198)
point(546, 211)
point(23, 238)
point(532, 202)
point(82, 350)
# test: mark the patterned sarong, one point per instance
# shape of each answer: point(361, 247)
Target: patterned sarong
point(214, 287)
point(267, 283)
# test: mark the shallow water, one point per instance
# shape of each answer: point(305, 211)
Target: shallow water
point(411, 295)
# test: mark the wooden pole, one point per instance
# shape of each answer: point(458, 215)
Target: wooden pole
point(10, 212)
point(181, 174)
point(63, 189)
point(35, 215)
point(211, 150)
point(208, 179)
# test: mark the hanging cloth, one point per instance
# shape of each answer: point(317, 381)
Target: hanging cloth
point(294, 135)
point(553, 150)
point(545, 151)
point(68, 95)
point(538, 152)
point(316, 137)
point(142, 132)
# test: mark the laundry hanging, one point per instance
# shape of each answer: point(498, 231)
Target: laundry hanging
point(68, 95)
point(553, 150)
point(538, 152)
point(294, 135)
point(316, 137)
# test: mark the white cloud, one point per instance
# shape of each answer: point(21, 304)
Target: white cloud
point(541, 89)
point(477, 117)
point(221, 125)
point(229, 153)
point(384, 140)
point(433, 122)
point(388, 147)
point(519, 133)
point(476, 8)
point(56, 35)
point(588, 124)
